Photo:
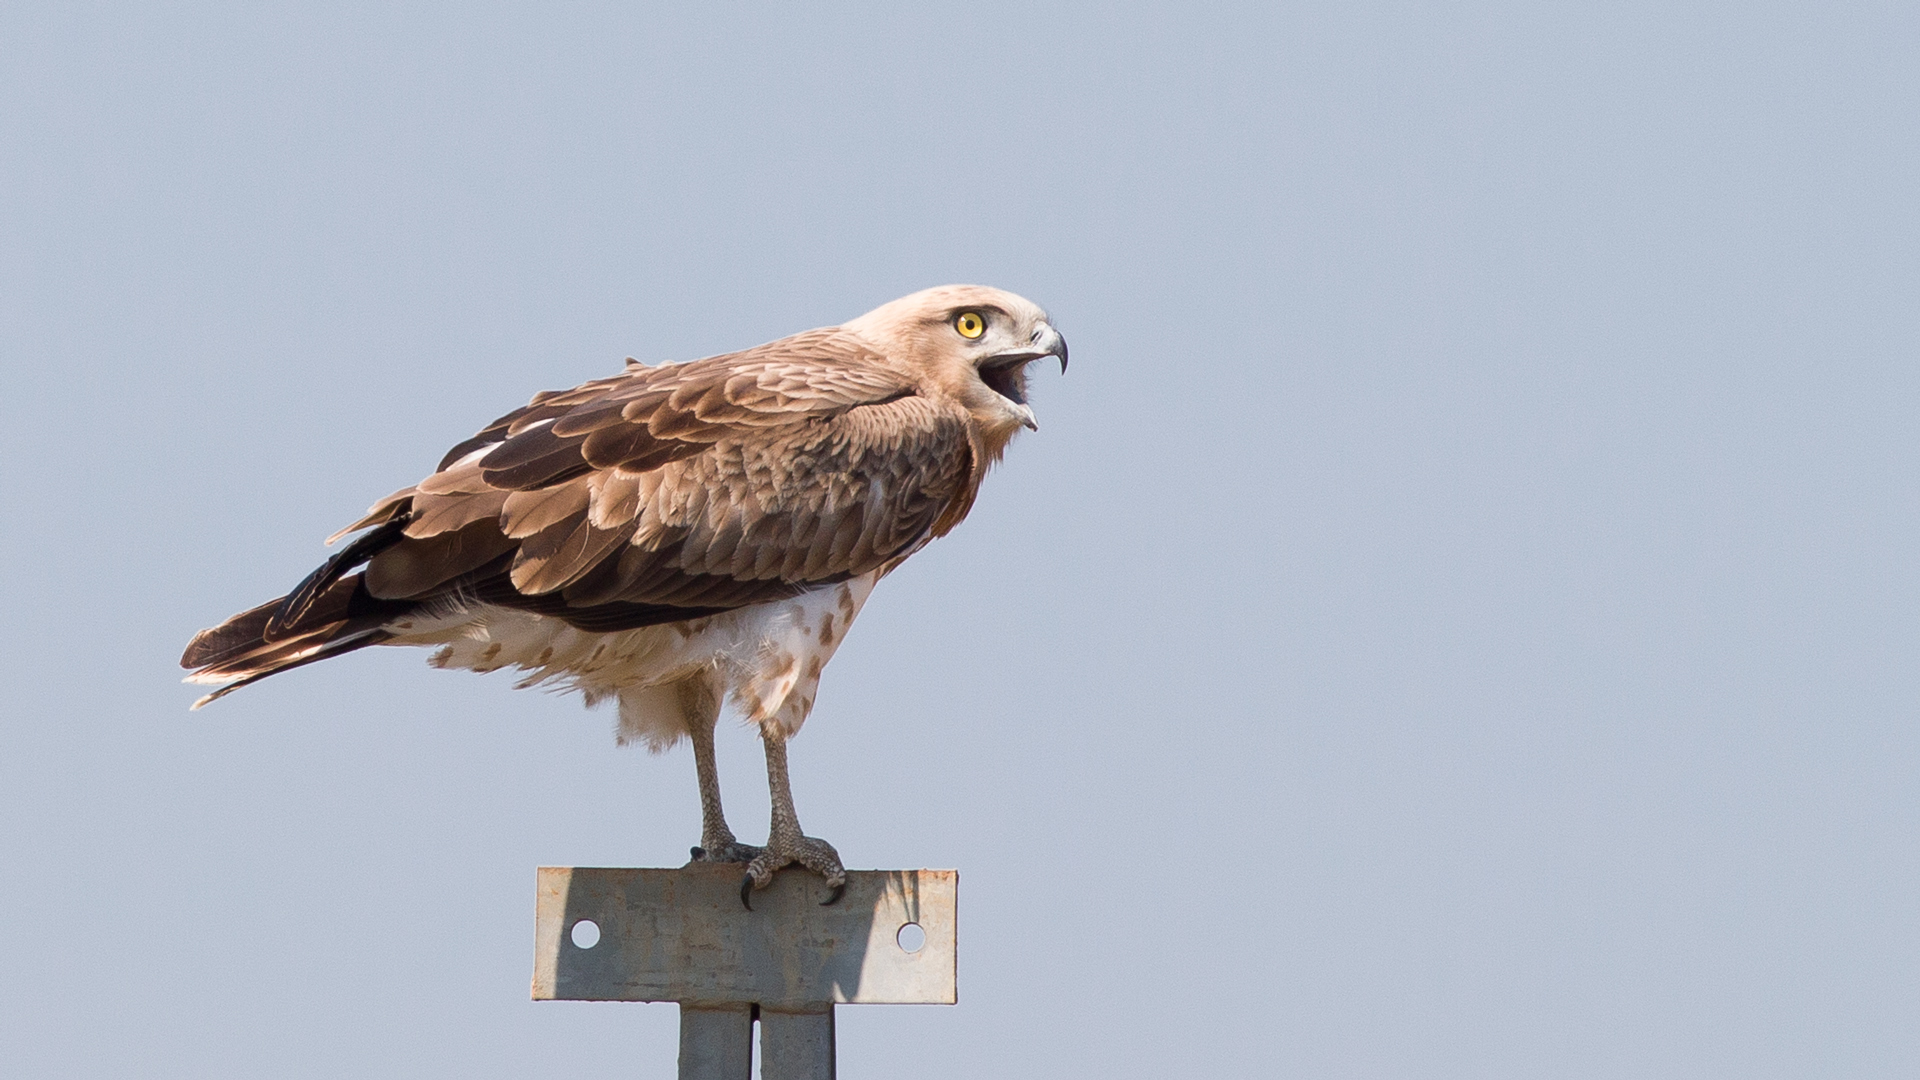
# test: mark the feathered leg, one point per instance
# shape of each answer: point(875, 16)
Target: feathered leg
point(785, 843)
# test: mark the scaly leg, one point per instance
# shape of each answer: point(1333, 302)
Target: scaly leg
point(785, 843)
point(716, 840)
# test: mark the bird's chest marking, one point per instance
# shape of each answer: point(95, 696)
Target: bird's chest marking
point(799, 637)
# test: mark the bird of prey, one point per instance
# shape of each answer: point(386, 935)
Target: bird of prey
point(681, 536)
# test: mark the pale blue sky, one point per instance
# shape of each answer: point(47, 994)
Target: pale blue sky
point(1457, 618)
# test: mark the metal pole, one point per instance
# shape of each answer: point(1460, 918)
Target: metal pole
point(796, 1045)
point(716, 1043)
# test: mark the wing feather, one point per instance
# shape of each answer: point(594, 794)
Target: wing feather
point(435, 514)
point(414, 569)
point(528, 512)
point(562, 553)
point(680, 490)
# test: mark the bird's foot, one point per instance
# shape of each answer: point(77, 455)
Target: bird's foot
point(816, 855)
point(727, 851)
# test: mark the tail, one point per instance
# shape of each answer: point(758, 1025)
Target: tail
point(338, 618)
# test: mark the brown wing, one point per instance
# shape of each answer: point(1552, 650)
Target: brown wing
point(670, 492)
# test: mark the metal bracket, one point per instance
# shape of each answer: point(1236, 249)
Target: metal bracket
point(606, 934)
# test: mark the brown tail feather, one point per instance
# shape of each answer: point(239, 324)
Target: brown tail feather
point(344, 617)
point(237, 635)
point(325, 651)
point(298, 608)
point(246, 632)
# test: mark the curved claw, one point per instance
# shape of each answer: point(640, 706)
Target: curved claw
point(698, 853)
point(746, 891)
point(834, 896)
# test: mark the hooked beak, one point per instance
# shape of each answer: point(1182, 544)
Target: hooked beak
point(1046, 342)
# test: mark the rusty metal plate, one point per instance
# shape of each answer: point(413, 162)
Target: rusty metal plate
point(682, 935)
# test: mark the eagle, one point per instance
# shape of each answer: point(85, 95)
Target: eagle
point(679, 537)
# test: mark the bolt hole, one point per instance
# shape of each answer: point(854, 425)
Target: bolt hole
point(586, 934)
point(911, 938)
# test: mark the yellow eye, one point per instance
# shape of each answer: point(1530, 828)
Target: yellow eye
point(970, 324)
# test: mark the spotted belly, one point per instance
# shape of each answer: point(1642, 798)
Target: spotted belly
point(764, 660)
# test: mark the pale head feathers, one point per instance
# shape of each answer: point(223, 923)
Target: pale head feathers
point(985, 374)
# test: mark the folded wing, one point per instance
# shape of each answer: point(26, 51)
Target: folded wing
point(659, 494)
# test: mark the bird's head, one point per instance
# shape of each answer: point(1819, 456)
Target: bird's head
point(972, 342)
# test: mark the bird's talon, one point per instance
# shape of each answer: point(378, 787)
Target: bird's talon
point(697, 852)
point(833, 895)
point(746, 891)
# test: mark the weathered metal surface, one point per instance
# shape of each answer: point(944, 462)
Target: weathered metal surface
point(796, 1045)
point(716, 1043)
point(682, 935)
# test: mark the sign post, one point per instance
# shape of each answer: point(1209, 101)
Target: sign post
point(606, 934)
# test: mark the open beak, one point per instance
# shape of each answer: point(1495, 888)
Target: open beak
point(1002, 371)
point(1046, 342)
